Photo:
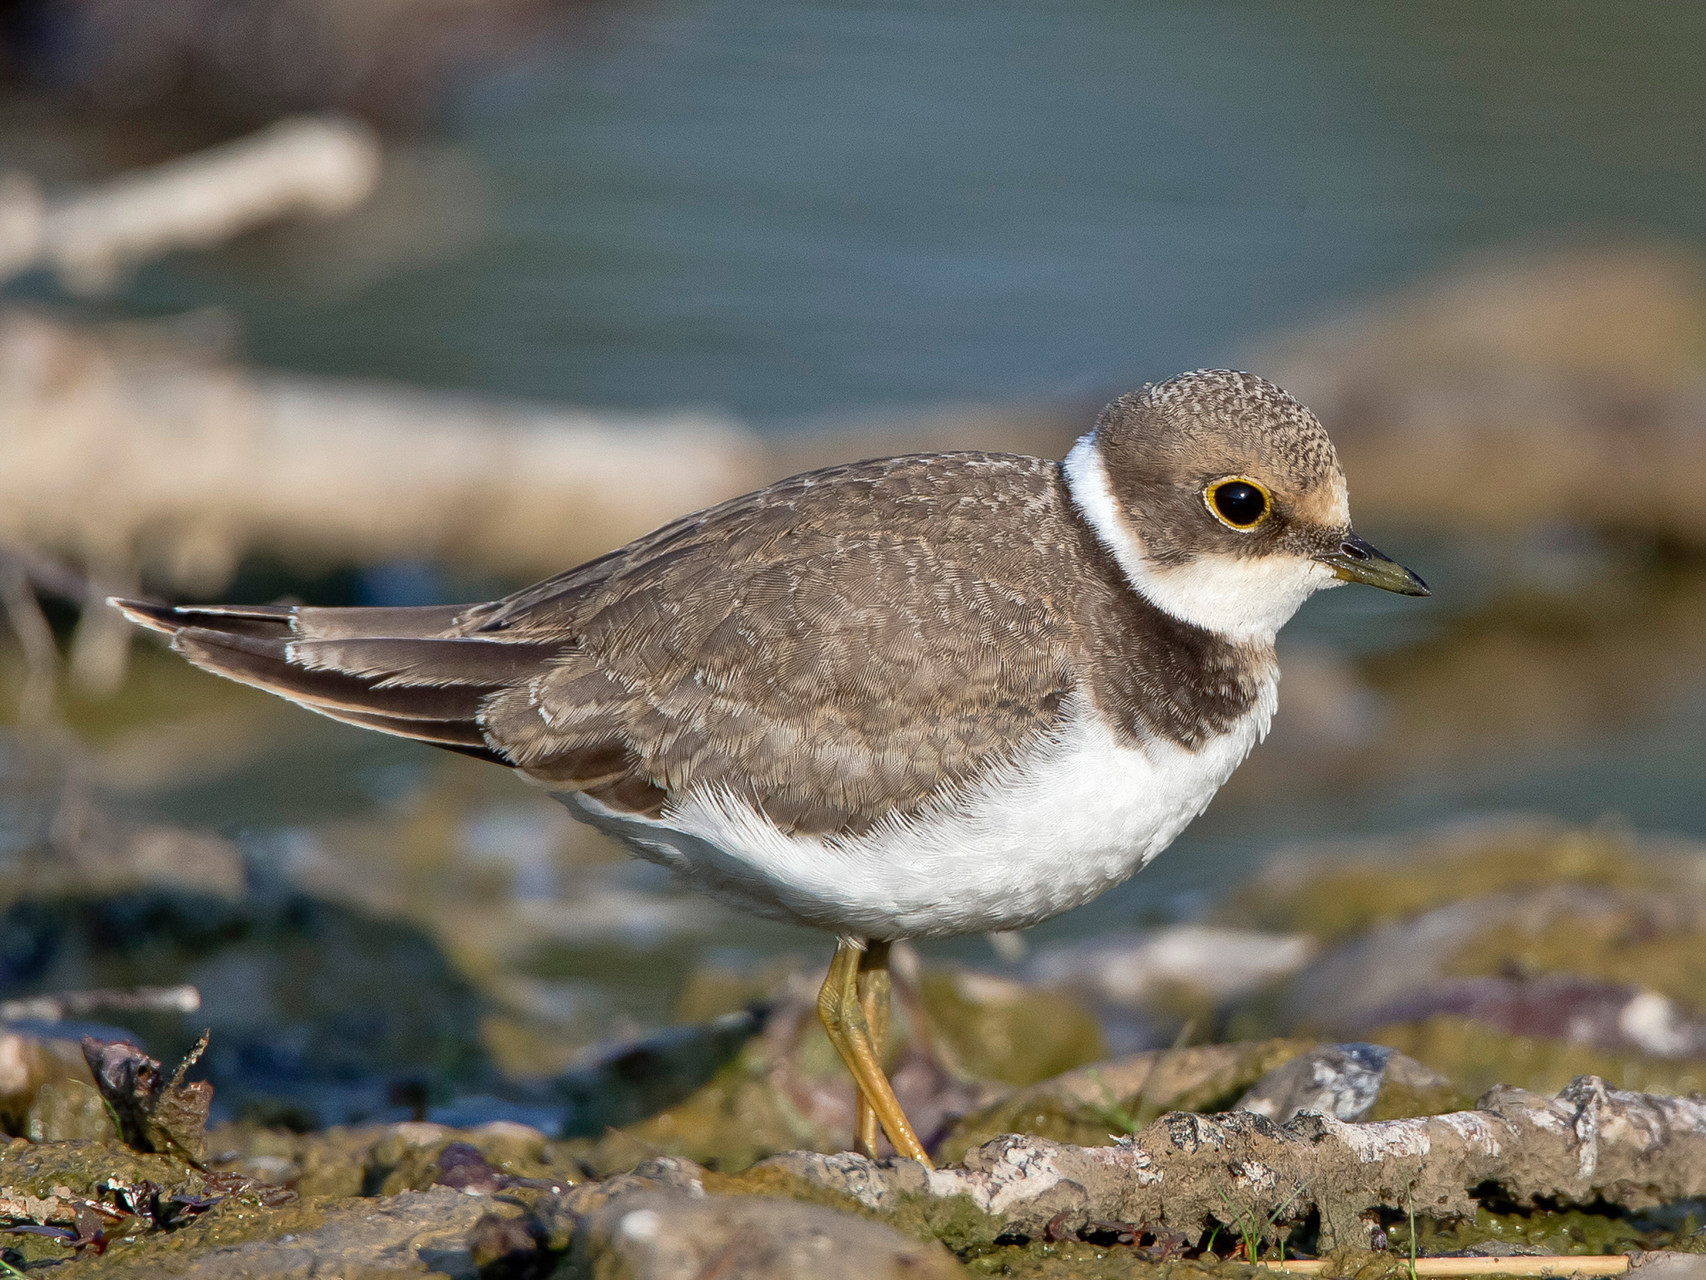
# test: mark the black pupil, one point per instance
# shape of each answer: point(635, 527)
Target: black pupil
point(1240, 503)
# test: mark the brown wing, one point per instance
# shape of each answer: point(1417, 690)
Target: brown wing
point(838, 648)
point(395, 670)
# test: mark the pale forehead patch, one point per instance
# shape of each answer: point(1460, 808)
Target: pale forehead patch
point(1327, 505)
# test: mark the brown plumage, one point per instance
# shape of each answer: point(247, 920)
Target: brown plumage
point(841, 647)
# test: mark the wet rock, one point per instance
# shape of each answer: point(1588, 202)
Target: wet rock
point(1559, 1006)
point(1098, 1104)
point(670, 1236)
point(69, 1110)
point(1520, 1171)
point(32, 1059)
point(388, 1159)
point(1500, 1229)
point(1133, 968)
point(1013, 1032)
point(1169, 975)
point(320, 1013)
point(1186, 1171)
point(980, 1024)
point(1479, 1057)
point(92, 1196)
point(1396, 958)
point(154, 1112)
point(1578, 640)
point(1351, 1082)
point(1333, 893)
point(505, 1245)
point(74, 848)
point(416, 1233)
point(631, 1081)
point(787, 1089)
point(764, 1101)
point(81, 1167)
point(556, 1218)
point(1512, 900)
point(1522, 953)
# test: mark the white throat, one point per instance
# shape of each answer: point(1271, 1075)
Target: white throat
point(1243, 598)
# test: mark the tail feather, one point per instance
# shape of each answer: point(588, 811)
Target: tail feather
point(267, 665)
point(364, 622)
point(413, 663)
point(452, 735)
point(358, 623)
point(394, 670)
point(249, 620)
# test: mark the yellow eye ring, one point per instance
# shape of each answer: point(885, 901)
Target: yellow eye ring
point(1238, 502)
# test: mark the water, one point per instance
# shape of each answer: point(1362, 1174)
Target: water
point(785, 209)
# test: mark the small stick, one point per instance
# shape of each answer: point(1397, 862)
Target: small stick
point(75, 1004)
point(35, 638)
point(1521, 1264)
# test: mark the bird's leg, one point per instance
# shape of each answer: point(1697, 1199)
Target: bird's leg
point(874, 1003)
point(843, 1017)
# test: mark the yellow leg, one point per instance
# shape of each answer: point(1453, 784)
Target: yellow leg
point(843, 1014)
point(874, 1003)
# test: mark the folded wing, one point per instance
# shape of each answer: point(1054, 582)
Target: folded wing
point(840, 649)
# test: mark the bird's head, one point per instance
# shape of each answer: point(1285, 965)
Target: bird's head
point(1223, 501)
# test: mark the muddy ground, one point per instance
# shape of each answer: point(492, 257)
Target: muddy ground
point(1485, 1041)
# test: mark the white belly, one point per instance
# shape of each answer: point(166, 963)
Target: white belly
point(1076, 817)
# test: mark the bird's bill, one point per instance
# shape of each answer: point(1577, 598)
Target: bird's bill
point(1356, 561)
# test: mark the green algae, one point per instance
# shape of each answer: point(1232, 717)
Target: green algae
point(955, 1221)
point(1001, 1030)
point(1077, 1260)
point(1583, 1231)
point(1479, 1056)
point(989, 1027)
point(91, 1170)
point(736, 1119)
point(1352, 1263)
point(82, 1167)
point(1646, 930)
point(1332, 900)
point(233, 1221)
point(341, 1163)
point(1622, 944)
point(1403, 1099)
point(784, 1184)
point(1562, 1231)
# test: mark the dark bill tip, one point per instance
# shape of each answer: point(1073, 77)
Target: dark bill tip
point(1356, 561)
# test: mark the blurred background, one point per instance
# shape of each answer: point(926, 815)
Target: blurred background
point(408, 301)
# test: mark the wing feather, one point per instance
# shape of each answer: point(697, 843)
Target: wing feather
point(841, 648)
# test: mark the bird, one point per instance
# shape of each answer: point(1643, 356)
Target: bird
point(909, 697)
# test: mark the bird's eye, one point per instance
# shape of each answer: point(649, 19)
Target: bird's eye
point(1238, 502)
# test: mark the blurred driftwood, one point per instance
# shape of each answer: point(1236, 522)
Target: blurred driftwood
point(80, 1004)
point(315, 166)
point(126, 445)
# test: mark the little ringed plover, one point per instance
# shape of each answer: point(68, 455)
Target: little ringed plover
point(902, 698)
